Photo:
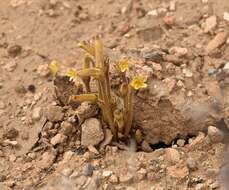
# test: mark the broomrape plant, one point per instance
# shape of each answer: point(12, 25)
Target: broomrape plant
point(117, 110)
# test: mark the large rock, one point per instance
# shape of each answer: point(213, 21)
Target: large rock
point(164, 116)
point(160, 122)
point(92, 132)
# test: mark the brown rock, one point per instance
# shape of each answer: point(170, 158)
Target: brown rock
point(165, 129)
point(107, 139)
point(14, 50)
point(124, 178)
point(150, 34)
point(146, 147)
point(198, 140)
point(191, 163)
point(178, 51)
point(178, 171)
point(138, 136)
point(66, 128)
point(113, 179)
point(141, 174)
point(92, 132)
point(215, 134)
point(210, 23)
point(20, 89)
point(216, 42)
point(10, 67)
point(10, 133)
point(58, 139)
point(37, 113)
point(169, 20)
point(172, 155)
point(86, 110)
point(55, 113)
point(46, 160)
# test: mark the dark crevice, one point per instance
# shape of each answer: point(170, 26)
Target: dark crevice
point(160, 145)
point(164, 145)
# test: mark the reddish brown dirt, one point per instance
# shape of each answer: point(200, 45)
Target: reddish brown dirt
point(194, 80)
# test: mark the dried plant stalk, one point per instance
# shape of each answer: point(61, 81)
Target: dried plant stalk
point(118, 116)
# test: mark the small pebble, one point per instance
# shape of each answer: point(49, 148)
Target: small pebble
point(31, 88)
point(172, 155)
point(88, 170)
point(67, 172)
point(2, 105)
point(191, 163)
point(180, 142)
point(37, 113)
point(107, 174)
point(113, 179)
point(58, 139)
point(215, 134)
point(14, 50)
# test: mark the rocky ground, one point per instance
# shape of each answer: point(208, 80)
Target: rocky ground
point(183, 116)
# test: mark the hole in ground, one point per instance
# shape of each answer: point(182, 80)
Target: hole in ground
point(163, 145)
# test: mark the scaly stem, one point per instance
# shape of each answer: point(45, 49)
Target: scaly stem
point(87, 47)
point(91, 72)
point(84, 97)
point(104, 86)
point(86, 80)
point(129, 105)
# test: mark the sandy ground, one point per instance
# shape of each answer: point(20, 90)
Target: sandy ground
point(33, 33)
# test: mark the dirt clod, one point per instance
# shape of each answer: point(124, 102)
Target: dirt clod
point(14, 50)
point(10, 133)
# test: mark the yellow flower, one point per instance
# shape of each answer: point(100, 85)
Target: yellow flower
point(54, 67)
point(138, 82)
point(123, 65)
point(72, 74)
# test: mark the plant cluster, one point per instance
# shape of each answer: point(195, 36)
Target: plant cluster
point(117, 109)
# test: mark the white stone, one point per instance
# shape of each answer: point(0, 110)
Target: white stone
point(226, 67)
point(172, 5)
point(227, 41)
point(187, 72)
point(226, 16)
point(107, 173)
point(37, 113)
point(153, 13)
